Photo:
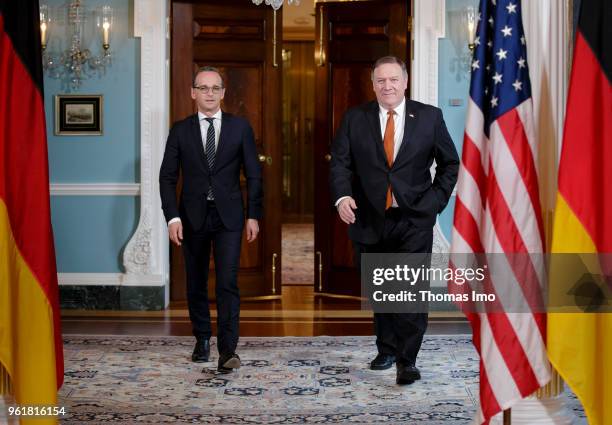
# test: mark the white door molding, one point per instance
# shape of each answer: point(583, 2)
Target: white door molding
point(428, 27)
point(146, 255)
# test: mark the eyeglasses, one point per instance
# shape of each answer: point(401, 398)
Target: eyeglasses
point(206, 89)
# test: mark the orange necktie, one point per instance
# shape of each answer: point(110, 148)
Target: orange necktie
point(389, 142)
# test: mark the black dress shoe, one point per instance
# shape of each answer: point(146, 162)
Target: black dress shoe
point(228, 362)
point(201, 352)
point(382, 361)
point(407, 374)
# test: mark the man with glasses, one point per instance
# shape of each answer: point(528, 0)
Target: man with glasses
point(210, 147)
point(382, 188)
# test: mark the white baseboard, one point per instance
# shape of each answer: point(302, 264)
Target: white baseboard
point(108, 279)
point(95, 189)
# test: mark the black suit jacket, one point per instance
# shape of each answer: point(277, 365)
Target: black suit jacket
point(185, 150)
point(359, 168)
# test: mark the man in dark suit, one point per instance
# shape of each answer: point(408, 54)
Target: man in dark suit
point(210, 148)
point(381, 186)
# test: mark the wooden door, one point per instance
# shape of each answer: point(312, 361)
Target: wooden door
point(349, 37)
point(244, 41)
point(298, 127)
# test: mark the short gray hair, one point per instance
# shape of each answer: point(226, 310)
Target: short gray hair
point(207, 69)
point(390, 59)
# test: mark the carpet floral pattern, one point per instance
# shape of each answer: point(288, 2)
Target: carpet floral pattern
point(298, 254)
point(320, 380)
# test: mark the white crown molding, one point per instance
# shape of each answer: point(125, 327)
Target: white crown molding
point(146, 254)
point(94, 189)
point(108, 279)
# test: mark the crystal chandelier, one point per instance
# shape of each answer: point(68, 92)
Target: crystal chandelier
point(276, 4)
point(77, 62)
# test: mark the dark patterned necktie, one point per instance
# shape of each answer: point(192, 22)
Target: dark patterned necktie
point(210, 150)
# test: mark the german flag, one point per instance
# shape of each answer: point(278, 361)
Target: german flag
point(31, 358)
point(580, 344)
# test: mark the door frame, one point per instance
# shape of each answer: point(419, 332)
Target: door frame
point(270, 234)
point(347, 277)
point(145, 257)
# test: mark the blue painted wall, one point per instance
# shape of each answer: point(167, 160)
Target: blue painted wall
point(91, 231)
point(453, 83)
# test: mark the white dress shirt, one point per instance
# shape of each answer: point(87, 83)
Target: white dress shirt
point(204, 127)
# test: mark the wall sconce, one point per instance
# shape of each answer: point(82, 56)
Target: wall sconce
point(470, 18)
point(75, 63)
point(461, 23)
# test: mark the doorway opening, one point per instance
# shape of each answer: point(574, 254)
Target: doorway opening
point(298, 101)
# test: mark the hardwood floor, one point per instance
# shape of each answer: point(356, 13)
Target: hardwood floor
point(297, 313)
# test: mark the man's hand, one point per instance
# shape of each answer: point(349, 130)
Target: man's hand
point(175, 231)
point(252, 229)
point(345, 210)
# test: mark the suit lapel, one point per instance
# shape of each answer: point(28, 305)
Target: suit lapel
point(374, 122)
point(197, 139)
point(410, 121)
point(223, 137)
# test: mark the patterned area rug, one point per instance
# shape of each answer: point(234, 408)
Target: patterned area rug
point(298, 254)
point(321, 380)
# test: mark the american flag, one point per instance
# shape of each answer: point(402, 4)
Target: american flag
point(497, 208)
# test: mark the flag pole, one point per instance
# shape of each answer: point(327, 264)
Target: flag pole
point(5, 382)
point(508, 416)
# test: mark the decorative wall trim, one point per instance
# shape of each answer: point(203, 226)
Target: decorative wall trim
point(106, 279)
point(429, 22)
point(89, 279)
point(146, 254)
point(95, 189)
point(429, 27)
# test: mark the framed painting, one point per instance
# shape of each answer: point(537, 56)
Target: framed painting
point(78, 115)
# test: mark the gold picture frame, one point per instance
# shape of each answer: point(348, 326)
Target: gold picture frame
point(79, 114)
